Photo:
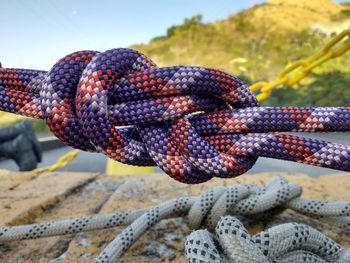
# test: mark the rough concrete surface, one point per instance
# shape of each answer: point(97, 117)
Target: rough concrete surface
point(27, 198)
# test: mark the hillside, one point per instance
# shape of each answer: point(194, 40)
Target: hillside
point(257, 43)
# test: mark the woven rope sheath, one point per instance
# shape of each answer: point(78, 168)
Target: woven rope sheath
point(286, 243)
point(87, 94)
point(282, 243)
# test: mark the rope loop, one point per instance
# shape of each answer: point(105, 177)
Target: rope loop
point(82, 90)
point(290, 242)
point(244, 200)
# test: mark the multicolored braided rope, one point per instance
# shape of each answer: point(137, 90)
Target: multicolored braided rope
point(88, 94)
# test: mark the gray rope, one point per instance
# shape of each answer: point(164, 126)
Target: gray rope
point(247, 201)
point(287, 243)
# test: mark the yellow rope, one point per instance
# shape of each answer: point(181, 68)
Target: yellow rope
point(112, 167)
point(297, 71)
point(61, 162)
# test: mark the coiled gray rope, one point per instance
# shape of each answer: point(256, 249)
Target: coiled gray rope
point(247, 201)
point(286, 243)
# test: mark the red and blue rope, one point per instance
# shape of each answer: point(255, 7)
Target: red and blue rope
point(88, 94)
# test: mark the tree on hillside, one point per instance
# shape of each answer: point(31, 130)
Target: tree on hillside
point(188, 24)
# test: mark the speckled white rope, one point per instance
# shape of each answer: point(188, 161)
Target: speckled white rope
point(285, 243)
point(247, 201)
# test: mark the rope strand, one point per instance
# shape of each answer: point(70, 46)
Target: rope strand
point(285, 243)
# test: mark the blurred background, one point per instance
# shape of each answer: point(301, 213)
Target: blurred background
point(254, 40)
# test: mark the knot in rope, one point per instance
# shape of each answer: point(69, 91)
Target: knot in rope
point(86, 94)
point(193, 122)
point(290, 242)
point(253, 201)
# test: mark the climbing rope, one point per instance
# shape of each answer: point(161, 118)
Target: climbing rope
point(294, 73)
point(87, 94)
point(286, 243)
point(246, 201)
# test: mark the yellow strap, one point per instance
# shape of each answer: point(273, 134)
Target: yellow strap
point(299, 70)
point(8, 119)
point(117, 168)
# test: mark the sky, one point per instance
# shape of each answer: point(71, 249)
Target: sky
point(36, 33)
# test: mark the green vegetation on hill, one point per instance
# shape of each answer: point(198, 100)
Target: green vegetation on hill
point(259, 42)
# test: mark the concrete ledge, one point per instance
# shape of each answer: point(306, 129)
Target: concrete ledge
point(50, 143)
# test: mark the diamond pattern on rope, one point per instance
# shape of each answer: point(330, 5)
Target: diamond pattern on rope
point(193, 122)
